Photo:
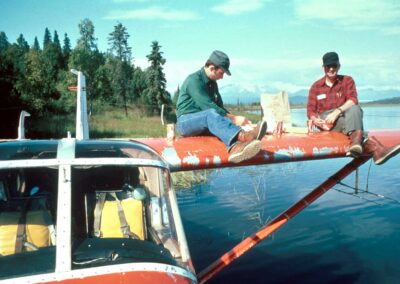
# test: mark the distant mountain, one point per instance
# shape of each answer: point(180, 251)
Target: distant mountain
point(386, 101)
point(298, 97)
point(369, 95)
point(234, 93)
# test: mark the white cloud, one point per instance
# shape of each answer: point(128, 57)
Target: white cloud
point(352, 15)
point(152, 13)
point(236, 7)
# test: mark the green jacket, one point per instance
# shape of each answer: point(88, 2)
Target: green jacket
point(199, 93)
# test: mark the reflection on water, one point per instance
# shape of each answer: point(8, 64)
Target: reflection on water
point(374, 117)
point(338, 239)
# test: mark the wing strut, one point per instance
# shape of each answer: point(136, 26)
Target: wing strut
point(279, 221)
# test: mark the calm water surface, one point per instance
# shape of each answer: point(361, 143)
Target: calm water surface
point(338, 239)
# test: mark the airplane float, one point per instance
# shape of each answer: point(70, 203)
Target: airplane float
point(78, 210)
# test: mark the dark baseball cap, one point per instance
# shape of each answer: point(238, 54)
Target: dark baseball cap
point(330, 58)
point(221, 60)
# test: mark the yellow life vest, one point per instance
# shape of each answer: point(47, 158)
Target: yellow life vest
point(118, 218)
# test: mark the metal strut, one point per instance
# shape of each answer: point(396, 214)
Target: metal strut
point(279, 221)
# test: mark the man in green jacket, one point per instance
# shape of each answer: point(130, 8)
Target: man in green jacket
point(200, 111)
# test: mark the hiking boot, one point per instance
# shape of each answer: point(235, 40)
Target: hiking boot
point(242, 151)
point(256, 134)
point(380, 153)
point(356, 139)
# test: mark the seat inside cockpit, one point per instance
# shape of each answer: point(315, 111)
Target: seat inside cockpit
point(115, 205)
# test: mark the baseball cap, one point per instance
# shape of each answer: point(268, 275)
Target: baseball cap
point(220, 59)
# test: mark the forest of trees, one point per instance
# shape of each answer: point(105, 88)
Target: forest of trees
point(36, 78)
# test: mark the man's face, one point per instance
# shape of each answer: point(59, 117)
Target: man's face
point(331, 71)
point(216, 73)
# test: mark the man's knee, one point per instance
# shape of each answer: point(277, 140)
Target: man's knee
point(355, 109)
point(212, 112)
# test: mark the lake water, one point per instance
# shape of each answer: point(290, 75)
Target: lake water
point(339, 238)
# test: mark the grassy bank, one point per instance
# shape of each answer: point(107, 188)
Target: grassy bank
point(109, 123)
point(114, 123)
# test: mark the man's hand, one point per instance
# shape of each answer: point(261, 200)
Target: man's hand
point(323, 124)
point(238, 119)
point(332, 117)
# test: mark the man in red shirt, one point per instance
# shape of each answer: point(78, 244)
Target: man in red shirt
point(333, 105)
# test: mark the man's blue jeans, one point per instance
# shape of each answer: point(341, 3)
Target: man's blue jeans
point(206, 122)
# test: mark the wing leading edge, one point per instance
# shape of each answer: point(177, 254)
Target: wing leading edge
point(206, 152)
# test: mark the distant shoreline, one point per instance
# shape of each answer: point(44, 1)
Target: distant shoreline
point(361, 104)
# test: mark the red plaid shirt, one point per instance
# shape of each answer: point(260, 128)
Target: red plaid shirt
point(322, 98)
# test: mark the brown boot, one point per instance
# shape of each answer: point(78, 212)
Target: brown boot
point(242, 151)
point(356, 138)
point(256, 134)
point(380, 152)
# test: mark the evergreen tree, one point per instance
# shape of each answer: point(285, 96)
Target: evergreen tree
point(58, 52)
point(87, 41)
point(155, 95)
point(22, 44)
point(118, 41)
point(36, 44)
point(46, 38)
point(52, 55)
point(122, 71)
point(56, 41)
point(138, 83)
point(86, 58)
point(66, 50)
point(4, 44)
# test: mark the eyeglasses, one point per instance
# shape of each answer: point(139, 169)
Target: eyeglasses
point(334, 66)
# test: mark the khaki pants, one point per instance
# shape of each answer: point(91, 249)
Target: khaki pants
point(348, 121)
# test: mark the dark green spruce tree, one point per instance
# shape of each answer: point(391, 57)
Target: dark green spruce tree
point(36, 45)
point(120, 63)
point(156, 95)
point(4, 44)
point(66, 50)
point(56, 41)
point(46, 38)
point(22, 43)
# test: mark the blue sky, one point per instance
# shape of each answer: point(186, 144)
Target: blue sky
point(273, 44)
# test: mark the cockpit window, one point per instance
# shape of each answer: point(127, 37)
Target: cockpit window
point(122, 214)
point(28, 200)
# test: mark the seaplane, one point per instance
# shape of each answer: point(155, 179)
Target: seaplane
point(79, 210)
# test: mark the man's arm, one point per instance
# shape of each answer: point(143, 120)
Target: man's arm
point(202, 99)
point(334, 115)
point(312, 104)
